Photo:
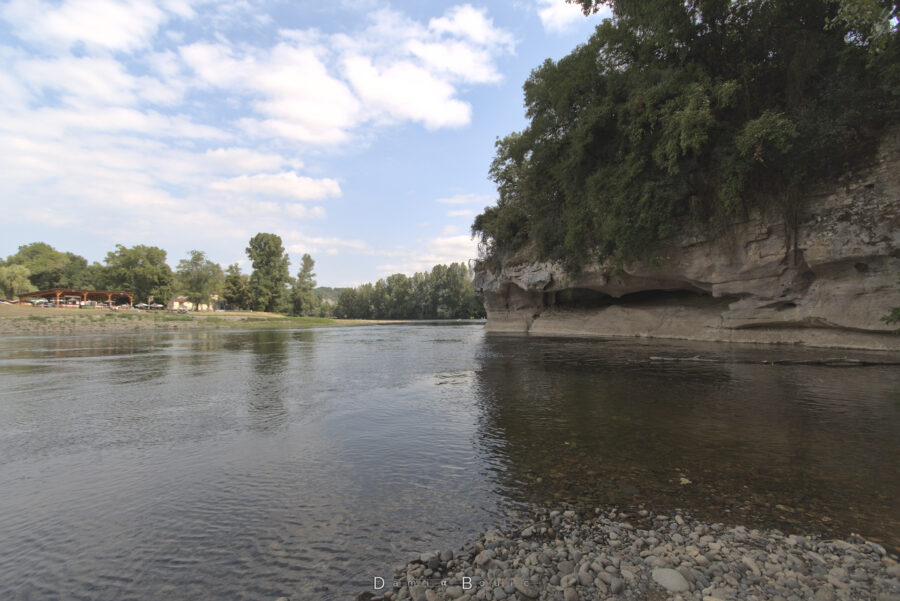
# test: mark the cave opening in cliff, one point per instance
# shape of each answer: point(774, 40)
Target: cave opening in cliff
point(586, 298)
point(581, 298)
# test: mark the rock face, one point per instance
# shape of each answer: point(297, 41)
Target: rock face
point(826, 284)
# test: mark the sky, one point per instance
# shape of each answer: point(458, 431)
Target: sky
point(359, 131)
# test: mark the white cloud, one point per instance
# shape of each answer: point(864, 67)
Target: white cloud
point(457, 59)
point(297, 244)
point(440, 250)
point(237, 159)
point(69, 124)
point(473, 24)
point(104, 24)
point(50, 216)
point(268, 213)
point(93, 81)
point(406, 91)
point(279, 185)
point(302, 100)
point(320, 89)
point(559, 16)
point(294, 95)
point(214, 63)
point(298, 211)
point(132, 130)
point(462, 213)
point(463, 199)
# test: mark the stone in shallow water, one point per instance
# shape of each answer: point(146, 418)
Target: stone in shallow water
point(671, 580)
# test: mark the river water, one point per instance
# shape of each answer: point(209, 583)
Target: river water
point(255, 464)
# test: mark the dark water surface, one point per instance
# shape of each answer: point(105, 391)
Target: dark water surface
point(251, 465)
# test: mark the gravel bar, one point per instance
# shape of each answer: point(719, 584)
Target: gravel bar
point(563, 555)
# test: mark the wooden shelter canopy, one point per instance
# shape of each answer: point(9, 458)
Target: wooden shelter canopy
point(104, 296)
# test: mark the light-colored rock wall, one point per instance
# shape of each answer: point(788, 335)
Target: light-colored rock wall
point(752, 283)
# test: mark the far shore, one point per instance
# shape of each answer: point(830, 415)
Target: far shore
point(18, 320)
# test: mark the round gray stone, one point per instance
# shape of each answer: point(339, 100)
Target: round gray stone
point(671, 580)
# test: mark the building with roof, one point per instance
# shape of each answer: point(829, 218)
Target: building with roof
point(74, 297)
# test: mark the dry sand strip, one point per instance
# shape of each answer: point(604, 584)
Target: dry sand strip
point(560, 555)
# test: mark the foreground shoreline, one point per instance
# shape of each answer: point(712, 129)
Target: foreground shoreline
point(561, 555)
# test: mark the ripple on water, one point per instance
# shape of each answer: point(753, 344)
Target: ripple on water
point(249, 465)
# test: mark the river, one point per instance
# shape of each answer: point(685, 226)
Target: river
point(259, 464)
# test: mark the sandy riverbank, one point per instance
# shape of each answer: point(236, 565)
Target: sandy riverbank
point(642, 556)
point(18, 320)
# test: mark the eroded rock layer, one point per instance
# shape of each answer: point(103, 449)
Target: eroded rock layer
point(826, 283)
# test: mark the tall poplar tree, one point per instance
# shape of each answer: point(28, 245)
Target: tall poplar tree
point(303, 298)
point(270, 272)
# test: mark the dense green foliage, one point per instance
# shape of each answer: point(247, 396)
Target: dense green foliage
point(199, 278)
point(677, 113)
point(14, 279)
point(303, 297)
point(236, 289)
point(443, 293)
point(270, 272)
point(140, 269)
point(50, 268)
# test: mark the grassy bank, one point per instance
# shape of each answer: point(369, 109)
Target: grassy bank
point(32, 321)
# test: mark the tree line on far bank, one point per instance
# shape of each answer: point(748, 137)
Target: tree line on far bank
point(143, 270)
point(443, 293)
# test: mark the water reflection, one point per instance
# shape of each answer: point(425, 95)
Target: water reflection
point(594, 422)
point(259, 464)
point(269, 382)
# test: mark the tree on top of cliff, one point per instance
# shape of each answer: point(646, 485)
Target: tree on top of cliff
point(676, 112)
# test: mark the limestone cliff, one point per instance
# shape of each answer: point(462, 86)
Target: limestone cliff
point(756, 282)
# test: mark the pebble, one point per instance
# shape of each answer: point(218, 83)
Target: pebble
point(675, 556)
point(526, 588)
point(671, 580)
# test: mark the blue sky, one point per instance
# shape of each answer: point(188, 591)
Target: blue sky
point(359, 131)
